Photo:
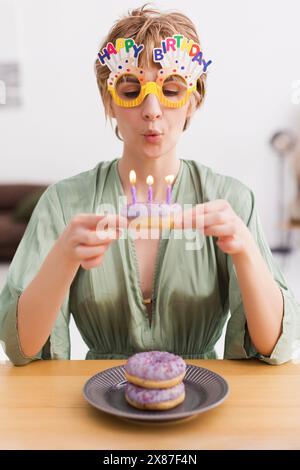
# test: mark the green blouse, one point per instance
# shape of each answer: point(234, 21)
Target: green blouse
point(195, 283)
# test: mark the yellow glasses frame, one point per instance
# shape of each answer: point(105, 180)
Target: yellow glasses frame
point(146, 89)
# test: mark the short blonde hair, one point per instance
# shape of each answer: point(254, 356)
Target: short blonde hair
point(148, 26)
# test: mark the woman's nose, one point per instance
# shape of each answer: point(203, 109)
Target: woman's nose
point(151, 107)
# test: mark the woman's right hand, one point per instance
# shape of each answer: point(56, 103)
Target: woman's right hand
point(84, 243)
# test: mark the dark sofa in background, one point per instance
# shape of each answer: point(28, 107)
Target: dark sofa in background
point(17, 202)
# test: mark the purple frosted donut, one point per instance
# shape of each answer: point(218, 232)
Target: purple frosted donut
point(155, 369)
point(145, 209)
point(154, 399)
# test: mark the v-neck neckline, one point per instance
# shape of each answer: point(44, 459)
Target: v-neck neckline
point(159, 254)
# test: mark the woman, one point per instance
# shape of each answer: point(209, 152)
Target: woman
point(131, 295)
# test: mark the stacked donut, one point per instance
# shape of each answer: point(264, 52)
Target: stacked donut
point(155, 380)
point(151, 215)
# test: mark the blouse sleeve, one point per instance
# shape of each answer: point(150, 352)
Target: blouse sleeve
point(238, 344)
point(45, 226)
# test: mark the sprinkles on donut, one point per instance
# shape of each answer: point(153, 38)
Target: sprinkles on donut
point(155, 380)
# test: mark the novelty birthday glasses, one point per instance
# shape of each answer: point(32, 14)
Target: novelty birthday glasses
point(129, 90)
point(181, 61)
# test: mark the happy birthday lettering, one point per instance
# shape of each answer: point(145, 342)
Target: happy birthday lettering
point(109, 50)
point(179, 42)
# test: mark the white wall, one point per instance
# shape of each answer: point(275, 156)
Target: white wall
point(61, 131)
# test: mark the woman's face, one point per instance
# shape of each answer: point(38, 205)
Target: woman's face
point(150, 116)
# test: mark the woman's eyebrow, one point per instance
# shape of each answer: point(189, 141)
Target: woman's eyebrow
point(174, 78)
point(170, 78)
point(129, 78)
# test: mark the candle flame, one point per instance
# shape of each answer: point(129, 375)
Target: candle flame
point(149, 180)
point(169, 179)
point(132, 177)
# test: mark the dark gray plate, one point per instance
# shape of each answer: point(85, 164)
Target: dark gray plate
point(204, 390)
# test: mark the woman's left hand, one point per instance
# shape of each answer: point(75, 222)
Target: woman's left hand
point(218, 219)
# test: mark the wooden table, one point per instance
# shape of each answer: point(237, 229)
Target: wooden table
point(42, 407)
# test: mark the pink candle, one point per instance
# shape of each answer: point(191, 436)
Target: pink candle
point(150, 181)
point(132, 179)
point(169, 179)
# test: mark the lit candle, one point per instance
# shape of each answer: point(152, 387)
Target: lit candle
point(169, 179)
point(150, 181)
point(132, 179)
